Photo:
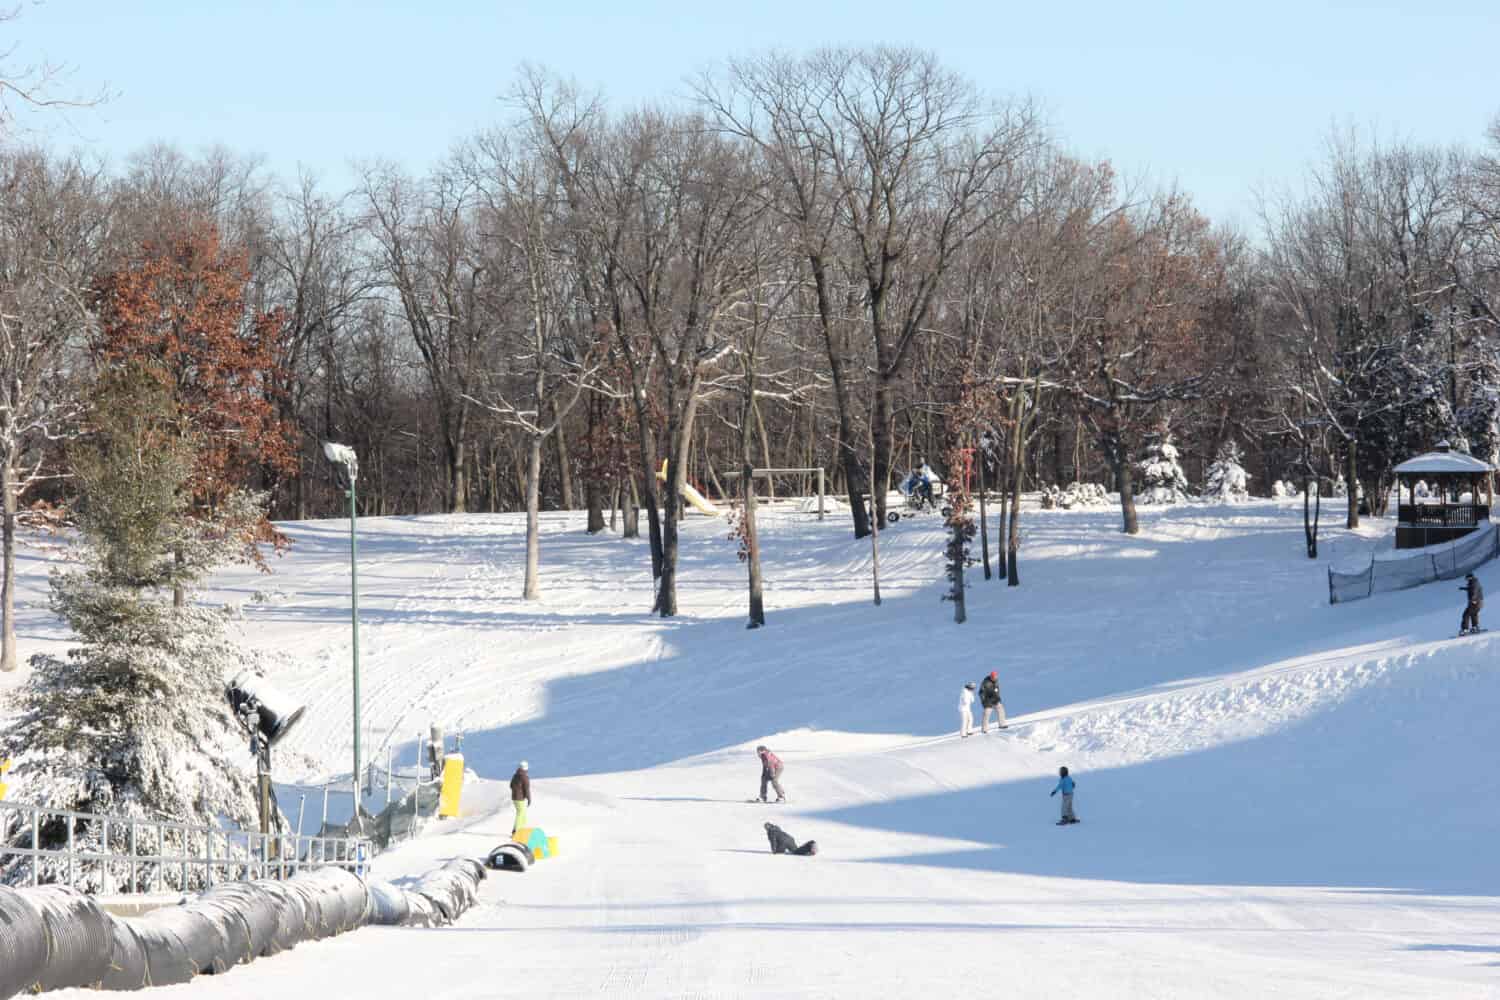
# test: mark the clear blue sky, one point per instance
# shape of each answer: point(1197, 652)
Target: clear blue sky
point(1219, 97)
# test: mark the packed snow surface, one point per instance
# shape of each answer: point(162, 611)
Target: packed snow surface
point(1278, 797)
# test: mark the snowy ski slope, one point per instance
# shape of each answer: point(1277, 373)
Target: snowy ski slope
point(1278, 797)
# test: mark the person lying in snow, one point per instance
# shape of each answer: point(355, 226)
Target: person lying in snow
point(782, 842)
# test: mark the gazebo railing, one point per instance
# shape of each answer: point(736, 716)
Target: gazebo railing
point(1443, 515)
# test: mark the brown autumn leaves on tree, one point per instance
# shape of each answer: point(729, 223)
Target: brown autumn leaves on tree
point(177, 310)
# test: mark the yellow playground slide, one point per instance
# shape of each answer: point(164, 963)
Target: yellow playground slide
point(692, 496)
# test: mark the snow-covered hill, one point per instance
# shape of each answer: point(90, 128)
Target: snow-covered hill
point(1278, 796)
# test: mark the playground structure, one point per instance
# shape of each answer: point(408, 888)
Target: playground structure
point(768, 473)
point(705, 506)
point(691, 495)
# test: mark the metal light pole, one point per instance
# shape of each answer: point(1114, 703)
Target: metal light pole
point(343, 456)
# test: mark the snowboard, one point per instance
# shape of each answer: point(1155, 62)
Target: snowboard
point(1474, 631)
point(1068, 822)
point(768, 802)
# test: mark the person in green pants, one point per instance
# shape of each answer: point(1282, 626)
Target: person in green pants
point(520, 795)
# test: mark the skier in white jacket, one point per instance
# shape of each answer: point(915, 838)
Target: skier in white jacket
point(966, 709)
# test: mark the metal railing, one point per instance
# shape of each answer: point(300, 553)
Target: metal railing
point(1442, 515)
point(115, 854)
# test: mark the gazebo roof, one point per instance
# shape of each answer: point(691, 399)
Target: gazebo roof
point(1443, 461)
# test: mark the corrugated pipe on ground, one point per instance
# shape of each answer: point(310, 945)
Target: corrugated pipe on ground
point(53, 937)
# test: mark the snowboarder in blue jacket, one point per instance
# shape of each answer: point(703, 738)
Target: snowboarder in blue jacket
point(1065, 785)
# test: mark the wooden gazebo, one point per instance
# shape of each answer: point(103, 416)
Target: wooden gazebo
point(1444, 514)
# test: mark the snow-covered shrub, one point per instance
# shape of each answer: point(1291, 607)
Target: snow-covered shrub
point(1340, 488)
point(1228, 482)
point(1283, 489)
point(1162, 478)
point(1076, 495)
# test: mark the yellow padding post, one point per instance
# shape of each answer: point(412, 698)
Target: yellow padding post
point(453, 785)
point(5, 765)
point(522, 836)
point(551, 847)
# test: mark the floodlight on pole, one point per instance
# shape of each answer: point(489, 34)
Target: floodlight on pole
point(343, 456)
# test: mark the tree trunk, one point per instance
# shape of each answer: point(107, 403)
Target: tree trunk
point(765, 449)
point(8, 584)
point(593, 489)
point(679, 437)
point(647, 442)
point(179, 591)
point(458, 487)
point(984, 522)
point(880, 473)
point(875, 545)
point(1351, 481)
point(1013, 487)
point(752, 540)
point(594, 498)
point(1013, 535)
point(300, 489)
point(564, 465)
point(630, 511)
point(1003, 556)
point(747, 489)
point(848, 456)
point(1121, 458)
point(530, 591)
point(1309, 519)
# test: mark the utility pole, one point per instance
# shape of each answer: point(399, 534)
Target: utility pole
point(344, 458)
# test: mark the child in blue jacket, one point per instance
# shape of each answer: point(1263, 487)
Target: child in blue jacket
point(1065, 785)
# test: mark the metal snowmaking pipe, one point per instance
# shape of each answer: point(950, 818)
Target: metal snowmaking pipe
point(343, 457)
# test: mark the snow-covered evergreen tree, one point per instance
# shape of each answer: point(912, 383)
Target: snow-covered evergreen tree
point(1227, 480)
point(133, 721)
point(1162, 478)
point(1478, 419)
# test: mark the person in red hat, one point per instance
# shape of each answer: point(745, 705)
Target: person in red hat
point(989, 698)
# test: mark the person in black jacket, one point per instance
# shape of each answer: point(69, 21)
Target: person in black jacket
point(520, 795)
point(782, 842)
point(1470, 620)
point(989, 699)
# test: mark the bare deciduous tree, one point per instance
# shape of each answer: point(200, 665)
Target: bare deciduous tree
point(52, 226)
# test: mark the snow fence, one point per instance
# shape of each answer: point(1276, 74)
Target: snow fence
point(1448, 561)
point(53, 937)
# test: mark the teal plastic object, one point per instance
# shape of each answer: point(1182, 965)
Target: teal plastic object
point(537, 842)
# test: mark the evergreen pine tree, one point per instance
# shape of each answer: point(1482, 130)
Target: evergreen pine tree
point(1228, 482)
point(133, 720)
point(1478, 419)
point(1162, 478)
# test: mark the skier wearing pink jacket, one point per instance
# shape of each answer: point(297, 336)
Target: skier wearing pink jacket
point(770, 773)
